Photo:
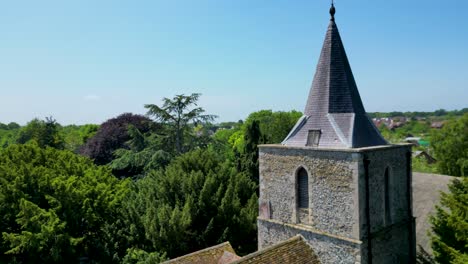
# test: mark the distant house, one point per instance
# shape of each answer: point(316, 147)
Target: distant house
point(402, 119)
point(398, 121)
point(438, 124)
point(394, 124)
point(377, 121)
point(391, 123)
point(381, 121)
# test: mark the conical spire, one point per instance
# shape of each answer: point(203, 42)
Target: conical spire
point(334, 115)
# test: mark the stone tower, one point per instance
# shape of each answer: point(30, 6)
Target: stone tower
point(334, 179)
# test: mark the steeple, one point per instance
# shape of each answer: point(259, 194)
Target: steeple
point(334, 116)
point(335, 180)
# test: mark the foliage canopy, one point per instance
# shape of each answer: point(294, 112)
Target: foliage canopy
point(449, 236)
point(179, 117)
point(144, 152)
point(111, 136)
point(274, 126)
point(450, 146)
point(198, 201)
point(56, 206)
point(44, 132)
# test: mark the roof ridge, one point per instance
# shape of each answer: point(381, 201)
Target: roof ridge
point(201, 251)
point(267, 249)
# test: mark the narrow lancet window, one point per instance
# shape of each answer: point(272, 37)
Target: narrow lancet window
point(302, 188)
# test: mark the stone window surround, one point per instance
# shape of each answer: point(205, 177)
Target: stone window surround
point(307, 212)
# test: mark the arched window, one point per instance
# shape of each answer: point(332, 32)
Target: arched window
point(302, 189)
point(387, 197)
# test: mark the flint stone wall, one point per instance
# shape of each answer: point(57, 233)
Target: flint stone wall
point(393, 245)
point(393, 237)
point(332, 188)
point(337, 200)
point(399, 191)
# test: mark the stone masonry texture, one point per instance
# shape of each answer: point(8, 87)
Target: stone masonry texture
point(339, 205)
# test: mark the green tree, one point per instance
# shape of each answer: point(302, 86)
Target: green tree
point(412, 128)
point(13, 125)
point(76, 136)
point(249, 155)
point(440, 112)
point(56, 206)
point(144, 152)
point(450, 145)
point(139, 256)
point(420, 164)
point(199, 200)
point(221, 142)
point(424, 257)
point(274, 126)
point(449, 237)
point(44, 132)
point(180, 117)
point(8, 137)
point(388, 134)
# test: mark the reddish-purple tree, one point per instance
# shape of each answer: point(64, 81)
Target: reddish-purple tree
point(112, 135)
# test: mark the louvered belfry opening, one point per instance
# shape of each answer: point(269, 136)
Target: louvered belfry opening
point(302, 188)
point(313, 138)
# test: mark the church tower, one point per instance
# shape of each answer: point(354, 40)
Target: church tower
point(334, 179)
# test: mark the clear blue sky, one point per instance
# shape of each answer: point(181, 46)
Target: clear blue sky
point(86, 61)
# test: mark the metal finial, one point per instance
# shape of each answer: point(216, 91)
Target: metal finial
point(332, 11)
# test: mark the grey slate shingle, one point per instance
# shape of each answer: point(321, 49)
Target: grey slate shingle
point(334, 105)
